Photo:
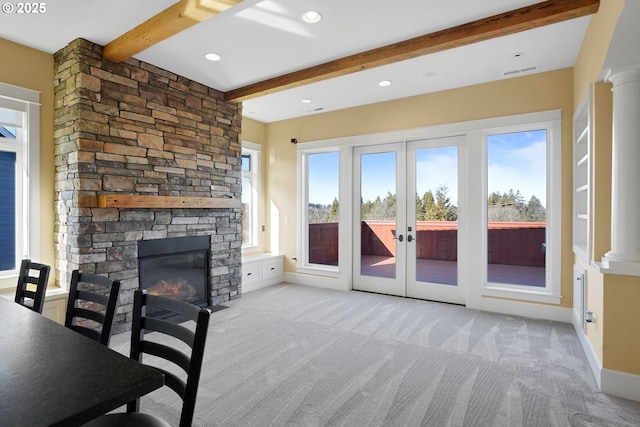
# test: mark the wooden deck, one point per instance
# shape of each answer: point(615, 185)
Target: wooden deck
point(445, 272)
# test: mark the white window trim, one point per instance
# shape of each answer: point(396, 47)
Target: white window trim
point(255, 151)
point(551, 292)
point(474, 131)
point(28, 102)
point(303, 264)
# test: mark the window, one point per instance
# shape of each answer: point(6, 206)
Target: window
point(19, 168)
point(250, 195)
point(516, 213)
point(321, 213)
point(8, 212)
point(522, 234)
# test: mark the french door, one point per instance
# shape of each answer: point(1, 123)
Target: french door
point(406, 219)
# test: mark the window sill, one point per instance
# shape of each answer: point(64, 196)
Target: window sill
point(525, 294)
point(319, 270)
point(53, 293)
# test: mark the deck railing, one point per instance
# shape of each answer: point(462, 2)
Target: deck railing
point(510, 243)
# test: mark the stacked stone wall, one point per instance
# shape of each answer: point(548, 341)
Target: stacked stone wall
point(137, 129)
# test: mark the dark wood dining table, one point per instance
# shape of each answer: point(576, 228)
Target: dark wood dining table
point(53, 376)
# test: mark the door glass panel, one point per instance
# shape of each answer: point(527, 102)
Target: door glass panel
point(378, 212)
point(437, 215)
point(516, 208)
point(323, 210)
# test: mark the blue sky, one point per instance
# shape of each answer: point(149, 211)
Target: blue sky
point(515, 161)
point(518, 161)
point(323, 178)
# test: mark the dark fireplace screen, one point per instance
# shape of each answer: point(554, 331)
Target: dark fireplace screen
point(176, 268)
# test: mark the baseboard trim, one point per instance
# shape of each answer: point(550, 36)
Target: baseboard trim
point(589, 351)
point(614, 383)
point(317, 281)
point(526, 309)
point(621, 384)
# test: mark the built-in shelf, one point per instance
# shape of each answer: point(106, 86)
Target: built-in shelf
point(132, 201)
point(582, 179)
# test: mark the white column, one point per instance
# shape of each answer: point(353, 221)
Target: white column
point(624, 256)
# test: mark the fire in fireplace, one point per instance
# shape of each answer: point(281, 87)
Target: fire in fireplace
point(176, 268)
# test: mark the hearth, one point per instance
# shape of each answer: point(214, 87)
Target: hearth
point(176, 268)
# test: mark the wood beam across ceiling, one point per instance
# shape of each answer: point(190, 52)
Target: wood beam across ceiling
point(515, 21)
point(165, 24)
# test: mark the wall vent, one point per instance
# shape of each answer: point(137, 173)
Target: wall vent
point(521, 70)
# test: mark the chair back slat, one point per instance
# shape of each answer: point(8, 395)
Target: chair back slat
point(195, 340)
point(87, 332)
point(32, 273)
point(93, 297)
point(96, 316)
point(169, 328)
point(166, 352)
point(88, 308)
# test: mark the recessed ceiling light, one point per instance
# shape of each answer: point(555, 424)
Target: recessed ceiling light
point(384, 83)
point(212, 57)
point(305, 101)
point(311, 16)
point(428, 74)
point(518, 54)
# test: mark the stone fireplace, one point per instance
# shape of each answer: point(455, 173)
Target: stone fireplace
point(137, 130)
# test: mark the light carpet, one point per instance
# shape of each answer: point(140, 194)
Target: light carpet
point(292, 355)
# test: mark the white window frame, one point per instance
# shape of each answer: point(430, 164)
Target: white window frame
point(304, 266)
point(254, 151)
point(551, 292)
point(479, 294)
point(27, 148)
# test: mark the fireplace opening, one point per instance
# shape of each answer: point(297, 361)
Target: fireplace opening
point(176, 268)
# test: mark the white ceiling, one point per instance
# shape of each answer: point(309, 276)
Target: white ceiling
point(259, 39)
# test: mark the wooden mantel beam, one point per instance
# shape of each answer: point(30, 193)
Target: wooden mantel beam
point(518, 20)
point(167, 23)
point(135, 201)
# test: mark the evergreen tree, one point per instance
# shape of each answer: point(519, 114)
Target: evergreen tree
point(334, 211)
point(511, 207)
point(429, 206)
point(535, 212)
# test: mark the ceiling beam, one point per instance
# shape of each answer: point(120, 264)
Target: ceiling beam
point(515, 21)
point(165, 24)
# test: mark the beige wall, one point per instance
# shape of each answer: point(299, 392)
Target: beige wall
point(256, 132)
point(622, 328)
point(33, 69)
point(594, 47)
point(541, 92)
point(613, 298)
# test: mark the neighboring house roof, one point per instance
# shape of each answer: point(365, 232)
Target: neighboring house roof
point(6, 133)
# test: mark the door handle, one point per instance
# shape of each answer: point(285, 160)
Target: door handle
point(409, 238)
point(399, 238)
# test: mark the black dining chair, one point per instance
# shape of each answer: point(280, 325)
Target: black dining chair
point(164, 346)
point(32, 273)
point(91, 307)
